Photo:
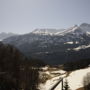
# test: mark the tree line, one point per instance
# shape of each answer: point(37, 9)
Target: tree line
point(74, 65)
point(16, 71)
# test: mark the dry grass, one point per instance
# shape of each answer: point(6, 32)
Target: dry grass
point(80, 88)
point(45, 78)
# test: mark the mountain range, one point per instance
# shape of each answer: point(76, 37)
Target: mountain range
point(54, 46)
point(4, 35)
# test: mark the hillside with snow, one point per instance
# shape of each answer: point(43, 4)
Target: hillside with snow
point(55, 46)
point(46, 31)
point(74, 78)
point(82, 29)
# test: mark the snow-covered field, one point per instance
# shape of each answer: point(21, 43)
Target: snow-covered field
point(75, 79)
point(49, 83)
point(55, 77)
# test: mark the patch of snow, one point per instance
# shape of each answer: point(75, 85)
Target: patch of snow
point(69, 30)
point(88, 33)
point(47, 72)
point(47, 31)
point(72, 30)
point(59, 71)
point(61, 32)
point(45, 68)
point(51, 82)
point(75, 79)
point(68, 43)
point(81, 47)
point(76, 42)
point(42, 53)
point(68, 49)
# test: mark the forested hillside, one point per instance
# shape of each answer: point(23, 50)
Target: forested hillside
point(16, 71)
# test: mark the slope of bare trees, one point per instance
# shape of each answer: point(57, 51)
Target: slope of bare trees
point(16, 71)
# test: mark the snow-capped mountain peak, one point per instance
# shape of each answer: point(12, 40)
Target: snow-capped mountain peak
point(46, 31)
point(85, 27)
point(72, 30)
point(78, 30)
point(49, 42)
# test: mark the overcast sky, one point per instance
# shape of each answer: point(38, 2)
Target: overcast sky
point(22, 16)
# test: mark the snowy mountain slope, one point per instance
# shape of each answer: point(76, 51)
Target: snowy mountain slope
point(55, 76)
point(75, 79)
point(46, 31)
point(83, 28)
point(81, 47)
point(48, 85)
point(54, 46)
point(69, 30)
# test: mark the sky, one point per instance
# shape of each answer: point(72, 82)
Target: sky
point(23, 16)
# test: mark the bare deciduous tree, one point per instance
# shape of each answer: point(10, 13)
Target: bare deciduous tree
point(86, 82)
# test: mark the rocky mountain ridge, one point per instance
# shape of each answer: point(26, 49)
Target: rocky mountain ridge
point(55, 46)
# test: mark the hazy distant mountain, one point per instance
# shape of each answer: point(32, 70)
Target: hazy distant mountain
point(55, 46)
point(4, 35)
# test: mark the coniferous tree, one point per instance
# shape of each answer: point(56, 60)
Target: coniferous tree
point(66, 86)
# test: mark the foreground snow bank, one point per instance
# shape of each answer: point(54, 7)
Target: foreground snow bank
point(75, 79)
point(51, 82)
